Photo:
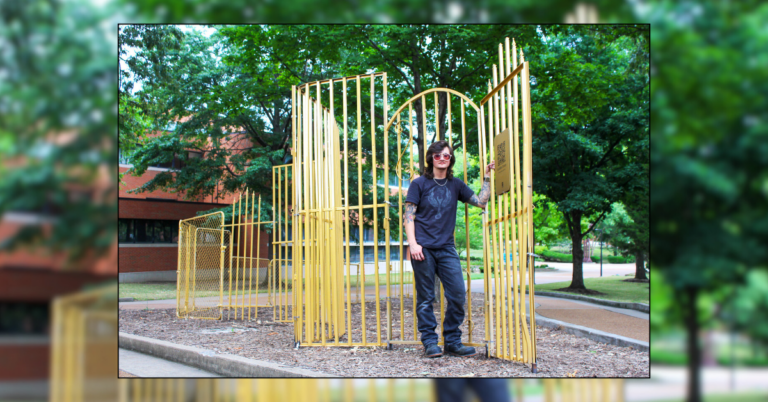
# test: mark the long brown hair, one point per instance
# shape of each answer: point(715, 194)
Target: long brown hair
point(435, 148)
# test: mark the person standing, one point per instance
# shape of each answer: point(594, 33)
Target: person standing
point(429, 220)
point(486, 389)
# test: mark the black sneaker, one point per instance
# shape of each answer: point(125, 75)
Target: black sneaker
point(461, 350)
point(432, 351)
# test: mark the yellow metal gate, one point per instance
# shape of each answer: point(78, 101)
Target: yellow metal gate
point(202, 256)
point(508, 224)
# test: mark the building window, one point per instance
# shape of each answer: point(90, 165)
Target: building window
point(126, 158)
point(23, 318)
point(147, 231)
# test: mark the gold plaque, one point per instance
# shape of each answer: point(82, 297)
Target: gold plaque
point(501, 150)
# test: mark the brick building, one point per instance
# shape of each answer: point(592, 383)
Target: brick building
point(30, 278)
point(148, 222)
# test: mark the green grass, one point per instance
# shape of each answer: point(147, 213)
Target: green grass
point(612, 286)
point(162, 291)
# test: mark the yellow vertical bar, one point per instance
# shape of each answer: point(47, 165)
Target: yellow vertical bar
point(401, 257)
point(466, 221)
point(372, 390)
point(424, 134)
point(346, 215)
point(549, 390)
point(244, 255)
point(410, 173)
point(179, 261)
point(189, 255)
point(250, 259)
point(524, 232)
point(437, 120)
point(349, 391)
point(509, 226)
point(375, 215)
point(387, 234)
point(318, 206)
point(496, 255)
point(519, 293)
point(529, 176)
point(284, 245)
point(239, 250)
point(294, 225)
point(274, 272)
point(222, 251)
point(486, 243)
point(360, 209)
point(502, 290)
point(333, 158)
point(449, 133)
point(502, 246)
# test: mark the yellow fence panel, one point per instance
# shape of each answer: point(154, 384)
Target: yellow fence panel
point(84, 346)
point(200, 274)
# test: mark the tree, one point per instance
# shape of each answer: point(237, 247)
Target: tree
point(634, 232)
point(708, 212)
point(590, 115)
point(56, 112)
point(548, 223)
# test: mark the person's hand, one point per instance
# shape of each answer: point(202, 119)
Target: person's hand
point(490, 167)
point(416, 252)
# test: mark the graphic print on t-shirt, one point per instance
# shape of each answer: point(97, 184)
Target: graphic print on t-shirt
point(440, 198)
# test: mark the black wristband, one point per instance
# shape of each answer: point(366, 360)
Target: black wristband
point(487, 179)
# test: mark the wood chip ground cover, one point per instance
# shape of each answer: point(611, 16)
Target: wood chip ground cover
point(559, 354)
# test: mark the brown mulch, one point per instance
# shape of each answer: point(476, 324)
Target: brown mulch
point(559, 354)
point(588, 292)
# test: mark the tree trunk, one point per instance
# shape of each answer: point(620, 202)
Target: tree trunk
point(640, 265)
point(694, 358)
point(577, 282)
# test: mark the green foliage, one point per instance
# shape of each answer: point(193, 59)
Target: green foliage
point(588, 138)
point(547, 220)
point(57, 108)
point(554, 256)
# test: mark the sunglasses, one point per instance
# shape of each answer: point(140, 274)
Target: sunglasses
point(437, 157)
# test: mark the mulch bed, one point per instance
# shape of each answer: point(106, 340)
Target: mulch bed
point(559, 354)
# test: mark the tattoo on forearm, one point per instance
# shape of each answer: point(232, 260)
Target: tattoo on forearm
point(481, 200)
point(410, 212)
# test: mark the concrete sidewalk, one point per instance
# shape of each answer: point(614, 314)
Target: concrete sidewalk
point(134, 364)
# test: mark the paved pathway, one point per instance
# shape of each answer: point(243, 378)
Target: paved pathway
point(134, 364)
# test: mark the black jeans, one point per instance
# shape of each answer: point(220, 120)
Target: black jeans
point(486, 389)
point(445, 263)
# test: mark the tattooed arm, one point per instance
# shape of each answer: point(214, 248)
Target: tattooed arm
point(410, 231)
point(481, 200)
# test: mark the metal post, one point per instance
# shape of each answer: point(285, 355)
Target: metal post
point(601, 253)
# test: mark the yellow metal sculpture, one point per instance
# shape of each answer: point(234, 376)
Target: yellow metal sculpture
point(349, 390)
point(339, 185)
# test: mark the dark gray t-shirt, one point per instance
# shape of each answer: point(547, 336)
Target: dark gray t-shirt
point(435, 217)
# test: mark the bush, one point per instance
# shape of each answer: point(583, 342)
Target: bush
point(620, 259)
point(552, 256)
point(667, 357)
point(540, 249)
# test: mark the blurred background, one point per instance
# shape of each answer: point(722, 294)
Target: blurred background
point(709, 154)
